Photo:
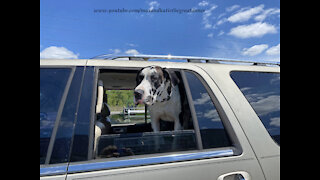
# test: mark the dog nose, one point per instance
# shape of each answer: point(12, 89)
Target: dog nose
point(138, 93)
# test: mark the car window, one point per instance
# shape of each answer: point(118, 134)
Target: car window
point(65, 128)
point(52, 87)
point(262, 90)
point(122, 129)
point(127, 127)
point(213, 133)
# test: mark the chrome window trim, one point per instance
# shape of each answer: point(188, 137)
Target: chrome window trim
point(55, 170)
point(96, 166)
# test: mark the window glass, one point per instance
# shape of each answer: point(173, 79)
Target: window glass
point(212, 130)
point(262, 90)
point(81, 149)
point(52, 87)
point(62, 142)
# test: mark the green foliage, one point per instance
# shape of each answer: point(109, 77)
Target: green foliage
point(120, 98)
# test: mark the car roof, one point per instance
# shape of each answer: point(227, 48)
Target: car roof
point(138, 61)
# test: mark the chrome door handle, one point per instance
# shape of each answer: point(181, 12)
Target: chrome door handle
point(239, 175)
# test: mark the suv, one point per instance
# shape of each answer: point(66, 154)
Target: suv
point(233, 130)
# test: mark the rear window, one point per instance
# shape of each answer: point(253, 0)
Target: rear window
point(52, 87)
point(262, 90)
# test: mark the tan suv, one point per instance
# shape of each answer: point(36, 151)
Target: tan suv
point(233, 130)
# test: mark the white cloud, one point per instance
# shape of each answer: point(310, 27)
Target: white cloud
point(210, 35)
point(221, 33)
point(263, 103)
point(254, 50)
point(205, 98)
point(206, 15)
point(275, 50)
point(153, 5)
point(131, 45)
point(115, 51)
point(213, 115)
point(267, 13)
point(253, 30)
point(266, 105)
point(121, 52)
point(245, 15)
point(132, 52)
point(232, 8)
point(221, 21)
point(203, 3)
point(275, 122)
point(54, 52)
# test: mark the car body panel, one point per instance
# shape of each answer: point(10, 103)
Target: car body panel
point(249, 136)
point(265, 148)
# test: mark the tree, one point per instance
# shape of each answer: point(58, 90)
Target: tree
point(120, 98)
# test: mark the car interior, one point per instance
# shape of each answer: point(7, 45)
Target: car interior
point(126, 131)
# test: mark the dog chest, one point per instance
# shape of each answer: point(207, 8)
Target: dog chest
point(167, 110)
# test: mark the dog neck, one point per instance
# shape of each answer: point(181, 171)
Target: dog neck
point(163, 93)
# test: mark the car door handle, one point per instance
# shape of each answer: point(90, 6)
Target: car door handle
point(239, 175)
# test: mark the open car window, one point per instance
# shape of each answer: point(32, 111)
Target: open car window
point(128, 126)
point(127, 129)
point(123, 109)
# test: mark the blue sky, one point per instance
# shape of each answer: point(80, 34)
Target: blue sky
point(236, 29)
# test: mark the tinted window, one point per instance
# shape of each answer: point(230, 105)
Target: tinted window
point(211, 127)
point(262, 90)
point(52, 87)
point(63, 138)
point(80, 150)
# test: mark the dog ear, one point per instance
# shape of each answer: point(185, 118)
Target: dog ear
point(137, 77)
point(170, 74)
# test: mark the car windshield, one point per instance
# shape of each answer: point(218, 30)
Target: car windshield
point(244, 30)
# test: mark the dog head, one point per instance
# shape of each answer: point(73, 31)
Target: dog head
point(154, 84)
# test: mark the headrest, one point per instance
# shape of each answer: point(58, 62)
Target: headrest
point(99, 97)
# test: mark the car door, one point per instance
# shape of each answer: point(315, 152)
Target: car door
point(59, 96)
point(222, 150)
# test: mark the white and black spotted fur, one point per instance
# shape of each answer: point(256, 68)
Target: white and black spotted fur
point(158, 88)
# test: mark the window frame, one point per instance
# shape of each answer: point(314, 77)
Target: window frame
point(159, 158)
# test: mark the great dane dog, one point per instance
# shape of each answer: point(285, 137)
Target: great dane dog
point(158, 89)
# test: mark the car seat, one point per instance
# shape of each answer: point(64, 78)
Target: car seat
point(102, 123)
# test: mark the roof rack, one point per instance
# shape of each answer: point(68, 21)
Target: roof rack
point(191, 59)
